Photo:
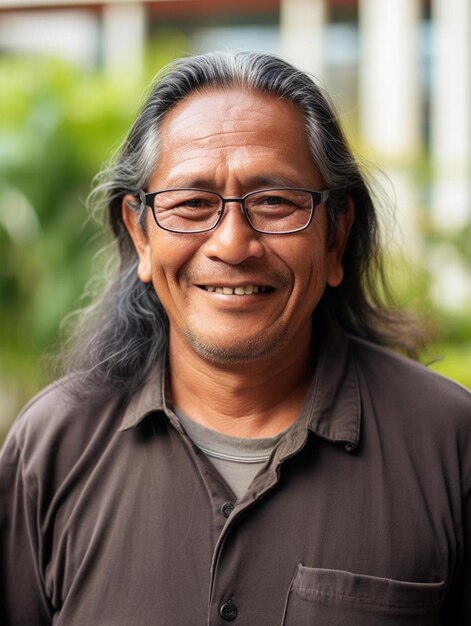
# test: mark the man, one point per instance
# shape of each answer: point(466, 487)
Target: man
point(236, 442)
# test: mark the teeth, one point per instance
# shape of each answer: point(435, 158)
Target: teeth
point(238, 291)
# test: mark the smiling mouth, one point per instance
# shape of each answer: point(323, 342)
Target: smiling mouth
point(246, 290)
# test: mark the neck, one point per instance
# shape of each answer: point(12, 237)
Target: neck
point(256, 399)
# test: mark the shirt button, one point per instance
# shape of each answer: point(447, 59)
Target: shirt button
point(228, 611)
point(227, 508)
point(349, 447)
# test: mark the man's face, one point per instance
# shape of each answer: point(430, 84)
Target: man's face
point(233, 142)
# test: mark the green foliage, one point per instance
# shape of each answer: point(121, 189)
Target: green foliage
point(58, 124)
point(449, 352)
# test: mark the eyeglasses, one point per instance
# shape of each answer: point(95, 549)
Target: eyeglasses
point(270, 211)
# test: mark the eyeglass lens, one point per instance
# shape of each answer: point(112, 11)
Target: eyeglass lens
point(275, 210)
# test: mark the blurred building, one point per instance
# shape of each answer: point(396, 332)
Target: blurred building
point(400, 70)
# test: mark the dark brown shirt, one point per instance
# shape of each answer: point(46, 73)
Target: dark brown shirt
point(110, 516)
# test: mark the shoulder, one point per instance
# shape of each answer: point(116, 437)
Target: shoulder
point(55, 429)
point(410, 388)
point(58, 408)
point(402, 371)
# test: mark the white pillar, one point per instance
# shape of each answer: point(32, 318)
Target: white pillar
point(389, 102)
point(123, 39)
point(302, 25)
point(451, 113)
point(389, 76)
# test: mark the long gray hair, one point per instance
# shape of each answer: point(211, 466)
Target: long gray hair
point(121, 336)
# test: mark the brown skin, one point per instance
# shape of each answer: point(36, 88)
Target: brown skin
point(242, 361)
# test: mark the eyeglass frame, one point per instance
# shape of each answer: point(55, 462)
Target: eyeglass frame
point(317, 198)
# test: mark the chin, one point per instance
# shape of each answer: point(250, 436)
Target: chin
point(240, 352)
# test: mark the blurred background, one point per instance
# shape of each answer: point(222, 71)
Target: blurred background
point(72, 76)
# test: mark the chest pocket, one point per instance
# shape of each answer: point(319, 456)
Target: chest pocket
point(325, 597)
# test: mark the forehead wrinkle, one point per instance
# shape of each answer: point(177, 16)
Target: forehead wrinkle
point(232, 119)
point(220, 173)
point(212, 149)
point(219, 140)
point(189, 125)
point(233, 108)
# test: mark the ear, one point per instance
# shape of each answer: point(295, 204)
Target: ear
point(141, 241)
point(338, 243)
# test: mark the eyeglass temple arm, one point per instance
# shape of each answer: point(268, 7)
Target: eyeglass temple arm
point(324, 195)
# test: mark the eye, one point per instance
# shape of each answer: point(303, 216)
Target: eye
point(289, 199)
point(274, 200)
point(177, 200)
point(274, 205)
point(186, 209)
point(195, 203)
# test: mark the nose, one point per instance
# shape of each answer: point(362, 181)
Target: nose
point(233, 241)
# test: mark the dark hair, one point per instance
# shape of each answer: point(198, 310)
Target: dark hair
point(122, 335)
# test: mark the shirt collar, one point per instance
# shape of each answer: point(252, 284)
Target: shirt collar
point(333, 406)
point(148, 399)
point(331, 409)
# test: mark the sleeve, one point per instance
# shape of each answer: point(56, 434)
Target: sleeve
point(23, 600)
point(457, 607)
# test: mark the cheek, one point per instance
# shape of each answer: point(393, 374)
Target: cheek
point(309, 258)
point(170, 254)
point(310, 274)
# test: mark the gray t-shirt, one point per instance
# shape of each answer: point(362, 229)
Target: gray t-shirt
point(237, 459)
